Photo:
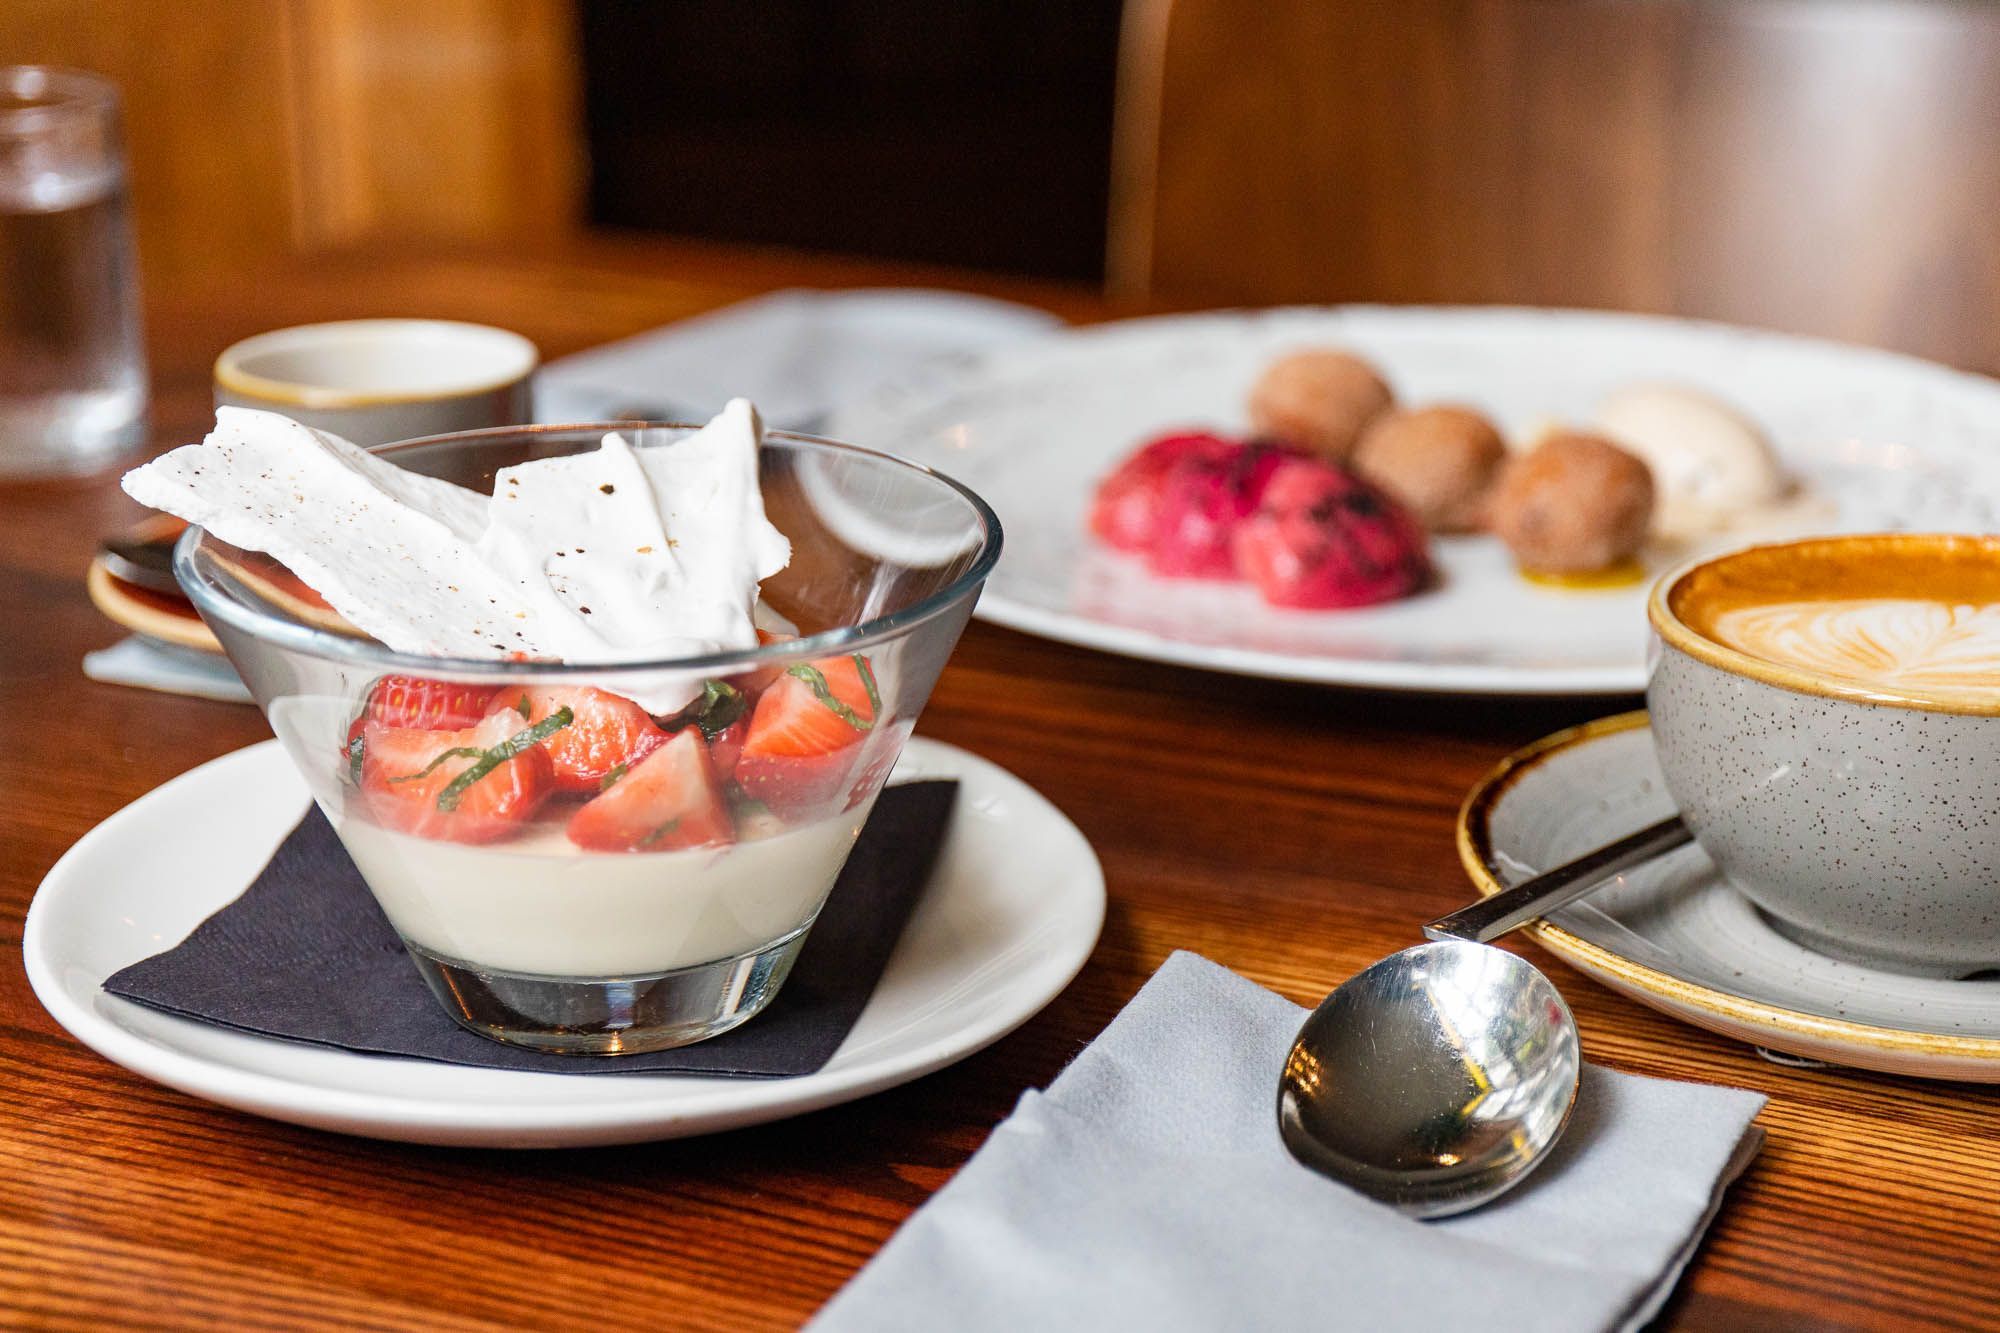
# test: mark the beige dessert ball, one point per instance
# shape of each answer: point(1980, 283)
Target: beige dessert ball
point(1439, 461)
point(1711, 464)
point(1319, 399)
point(1573, 504)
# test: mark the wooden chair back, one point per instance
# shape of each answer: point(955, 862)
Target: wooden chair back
point(1825, 166)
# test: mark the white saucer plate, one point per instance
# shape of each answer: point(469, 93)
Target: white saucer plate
point(1882, 441)
point(1673, 934)
point(1011, 913)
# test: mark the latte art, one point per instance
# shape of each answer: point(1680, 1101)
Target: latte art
point(1887, 641)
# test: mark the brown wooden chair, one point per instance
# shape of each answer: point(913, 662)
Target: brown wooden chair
point(1826, 166)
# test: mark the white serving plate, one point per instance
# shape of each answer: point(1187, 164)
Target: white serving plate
point(1012, 911)
point(1886, 440)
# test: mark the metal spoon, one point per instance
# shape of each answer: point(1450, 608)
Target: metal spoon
point(144, 562)
point(1436, 1079)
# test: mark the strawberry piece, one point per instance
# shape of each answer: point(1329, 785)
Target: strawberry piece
point(474, 784)
point(609, 731)
point(806, 734)
point(1202, 499)
point(424, 704)
point(1322, 537)
point(669, 800)
point(725, 747)
point(851, 682)
point(1126, 509)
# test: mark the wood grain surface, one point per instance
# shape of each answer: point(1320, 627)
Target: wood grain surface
point(1292, 833)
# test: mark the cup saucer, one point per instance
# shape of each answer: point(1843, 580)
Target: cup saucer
point(1011, 912)
point(1675, 935)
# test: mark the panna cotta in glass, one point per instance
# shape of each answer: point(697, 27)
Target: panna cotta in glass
point(600, 787)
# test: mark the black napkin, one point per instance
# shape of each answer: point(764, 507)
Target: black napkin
point(305, 954)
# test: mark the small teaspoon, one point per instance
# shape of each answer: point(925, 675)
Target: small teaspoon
point(1436, 1079)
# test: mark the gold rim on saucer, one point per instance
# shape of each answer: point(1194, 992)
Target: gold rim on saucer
point(131, 609)
point(1839, 1041)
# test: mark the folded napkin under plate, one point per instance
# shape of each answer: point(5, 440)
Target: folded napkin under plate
point(1148, 1188)
point(305, 954)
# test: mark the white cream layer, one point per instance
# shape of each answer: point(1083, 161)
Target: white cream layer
point(540, 905)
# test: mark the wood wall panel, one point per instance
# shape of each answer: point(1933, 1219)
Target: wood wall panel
point(1828, 166)
point(207, 116)
point(451, 118)
point(258, 128)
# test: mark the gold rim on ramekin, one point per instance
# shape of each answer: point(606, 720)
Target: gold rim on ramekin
point(1475, 852)
point(1677, 634)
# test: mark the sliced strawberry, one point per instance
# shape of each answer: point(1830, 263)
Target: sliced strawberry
point(725, 747)
point(475, 784)
point(424, 704)
point(609, 732)
point(806, 735)
point(668, 800)
point(851, 681)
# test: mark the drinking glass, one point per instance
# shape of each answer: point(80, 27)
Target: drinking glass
point(72, 369)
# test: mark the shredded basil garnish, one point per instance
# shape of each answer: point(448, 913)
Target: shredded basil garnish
point(715, 712)
point(868, 683)
point(660, 832)
point(812, 676)
point(455, 752)
point(449, 798)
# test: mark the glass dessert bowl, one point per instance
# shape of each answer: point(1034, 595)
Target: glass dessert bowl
point(618, 858)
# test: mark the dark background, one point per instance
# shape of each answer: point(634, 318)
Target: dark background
point(976, 134)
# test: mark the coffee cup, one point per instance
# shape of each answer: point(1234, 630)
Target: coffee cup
point(1827, 715)
point(374, 381)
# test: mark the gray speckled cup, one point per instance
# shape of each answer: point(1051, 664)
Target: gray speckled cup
point(1864, 821)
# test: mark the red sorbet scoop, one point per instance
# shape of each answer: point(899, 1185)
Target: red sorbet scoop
point(1126, 511)
point(1321, 537)
point(1202, 499)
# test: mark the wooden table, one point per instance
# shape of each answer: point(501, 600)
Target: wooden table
point(1291, 833)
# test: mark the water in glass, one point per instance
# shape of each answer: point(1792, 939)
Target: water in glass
point(72, 369)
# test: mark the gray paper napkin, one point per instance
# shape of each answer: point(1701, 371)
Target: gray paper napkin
point(797, 354)
point(1147, 1188)
point(163, 667)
